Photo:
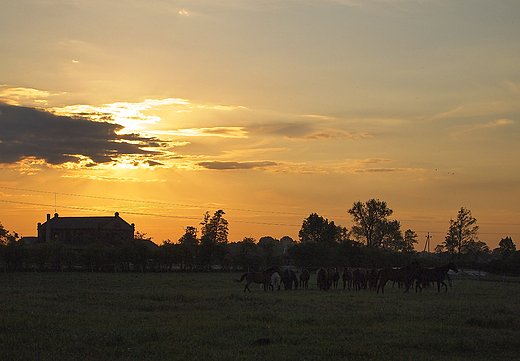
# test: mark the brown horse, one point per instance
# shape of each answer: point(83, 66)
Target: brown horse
point(263, 278)
point(404, 275)
point(438, 274)
point(334, 274)
point(289, 279)
point(323, 279)
point(348, 277)
point(304, 279)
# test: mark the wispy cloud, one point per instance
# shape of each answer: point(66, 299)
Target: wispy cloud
point(479, 109)
point(223, 132)
point(219, 165)
point(111, 179)
point(498, 123)
point(21, 95)
point(303, 131)
point(377, 170)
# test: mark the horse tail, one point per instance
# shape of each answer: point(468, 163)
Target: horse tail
point(242, 278)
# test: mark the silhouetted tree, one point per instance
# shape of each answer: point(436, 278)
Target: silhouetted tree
point(397, 243)
point(248, 257)
point(267, 247)
point(506, 247)
point(319, 230)
point(214, 237)
point(370, 221)
point(13, 253)
point(462, 233)
point(170, 254)
point(389, 236)
point(188, 245)
point(319, 242)
point(6, 236)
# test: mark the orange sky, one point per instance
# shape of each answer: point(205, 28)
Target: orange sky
point(271, 111)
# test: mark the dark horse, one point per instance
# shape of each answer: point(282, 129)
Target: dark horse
point(404, 276)
point(323, 279)
point(289, 279)
point(438, 274)
point(263, 278)
point(304, 279)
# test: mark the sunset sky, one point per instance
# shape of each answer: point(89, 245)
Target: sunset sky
point(270, 110)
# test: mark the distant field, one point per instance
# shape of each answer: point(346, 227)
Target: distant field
point(179, 316)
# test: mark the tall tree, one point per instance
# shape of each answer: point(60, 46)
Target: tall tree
point(188, 244)
point(215, 228)
point(462, 233)
point(369, 219)
point(319, 230)
point(247, 253)
point(388, 234)
point(267, 246)
point(410, 239)
point(506, 247)
point(214, 237)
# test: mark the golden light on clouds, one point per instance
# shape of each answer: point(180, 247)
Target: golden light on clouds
point(130, 115)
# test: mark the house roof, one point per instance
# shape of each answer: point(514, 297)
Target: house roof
point(87, 222)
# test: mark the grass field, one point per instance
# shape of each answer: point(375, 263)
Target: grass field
point(182, 316)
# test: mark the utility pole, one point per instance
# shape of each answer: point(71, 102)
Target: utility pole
point(427, 244)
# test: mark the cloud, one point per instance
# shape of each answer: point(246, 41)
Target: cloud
point(18, 95)
point(218, 165)
point(375, 161)
point(130, 115)
point(499, 123)
point(479, 109)
point(303, 131)
point(222, 132)
point(378, 170)
point(29, 133)
point(113, 179)
point(481, 126)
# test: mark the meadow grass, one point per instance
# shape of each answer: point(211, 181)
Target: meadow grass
point(201, 316)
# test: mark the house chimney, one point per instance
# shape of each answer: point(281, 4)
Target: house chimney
point(117, 214)
point(48, 216)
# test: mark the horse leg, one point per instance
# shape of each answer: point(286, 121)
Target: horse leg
point(445, 286)
point(247, 287)
point(381, 286)
point(418, 286)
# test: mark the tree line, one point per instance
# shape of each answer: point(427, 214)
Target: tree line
point(374, 240)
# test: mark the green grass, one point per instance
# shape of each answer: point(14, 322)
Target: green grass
point(177, 316)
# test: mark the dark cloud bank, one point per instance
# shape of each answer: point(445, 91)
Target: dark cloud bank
point(28, 132)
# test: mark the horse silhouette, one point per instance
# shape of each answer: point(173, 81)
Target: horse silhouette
point(263, 278)
point(304, 279)
point(438, 275)
point(403, 276)
point(323, 279)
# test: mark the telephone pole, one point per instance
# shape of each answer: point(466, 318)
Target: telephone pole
point(427, 244)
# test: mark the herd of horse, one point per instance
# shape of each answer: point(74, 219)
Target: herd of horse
point(410, 276)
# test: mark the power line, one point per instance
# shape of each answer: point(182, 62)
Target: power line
point(150, 202)
point(143, 214)
point(201, 207)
